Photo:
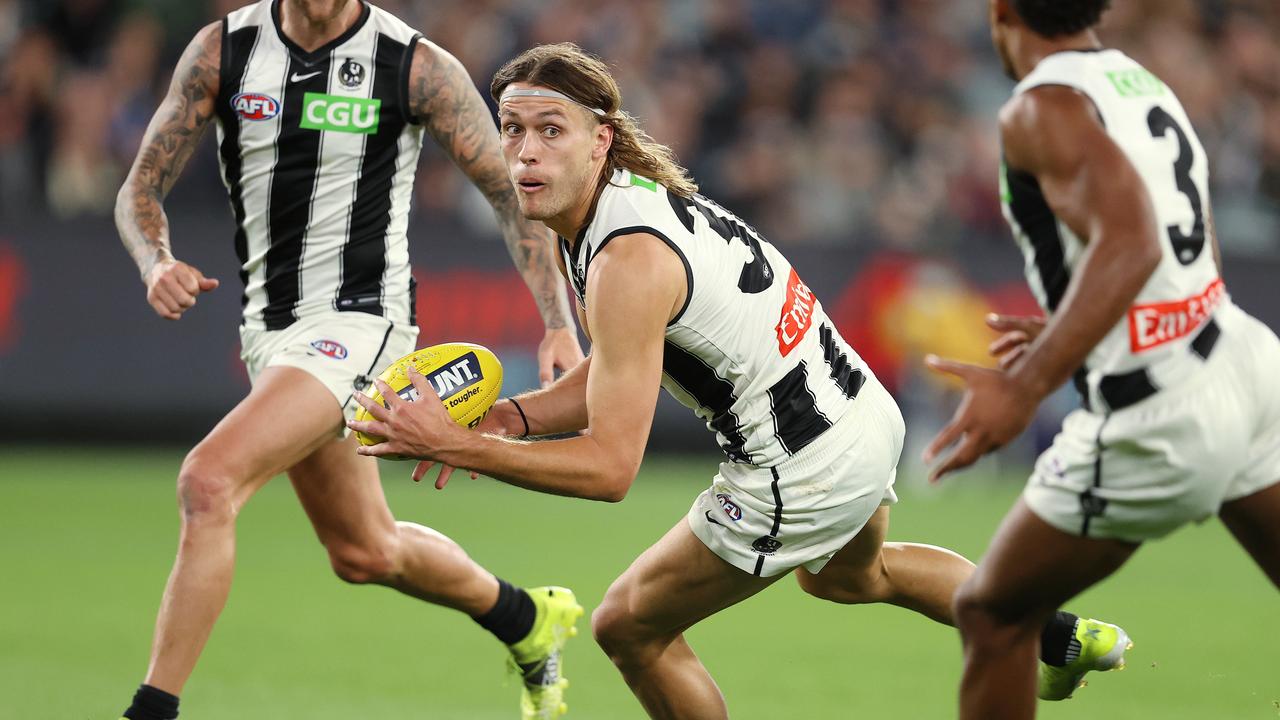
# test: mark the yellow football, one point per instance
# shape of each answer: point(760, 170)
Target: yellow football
point(467, 377)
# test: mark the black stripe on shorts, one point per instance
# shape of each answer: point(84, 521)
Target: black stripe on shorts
point(769, 544)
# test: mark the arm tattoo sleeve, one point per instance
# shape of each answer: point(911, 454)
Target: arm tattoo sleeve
point(171, 137)
point(443, 97)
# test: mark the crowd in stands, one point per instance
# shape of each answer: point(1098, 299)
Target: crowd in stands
point(831, 122)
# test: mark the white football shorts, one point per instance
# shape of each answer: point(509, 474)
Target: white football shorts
point(1141, 472)
point(767, 521)
point(343, 350)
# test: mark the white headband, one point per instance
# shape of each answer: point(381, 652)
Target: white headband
point(511, 92)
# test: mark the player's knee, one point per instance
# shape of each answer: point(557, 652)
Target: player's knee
point(608, 626)
point(206, 491)
point(983, 620)
point(617, 632)
point(359, 564)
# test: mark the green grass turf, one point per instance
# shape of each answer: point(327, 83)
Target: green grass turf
point(86, 541)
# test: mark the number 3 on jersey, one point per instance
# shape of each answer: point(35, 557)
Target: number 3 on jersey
point(1186, 246)
point(757, 274)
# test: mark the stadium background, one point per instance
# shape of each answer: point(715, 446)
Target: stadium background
point(857, 135)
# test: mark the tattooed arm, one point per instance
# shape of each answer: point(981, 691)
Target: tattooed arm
point(172, 285)
point(443, 98)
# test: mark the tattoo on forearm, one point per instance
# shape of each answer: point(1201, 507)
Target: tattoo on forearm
point(443, 96)
point(170, 139)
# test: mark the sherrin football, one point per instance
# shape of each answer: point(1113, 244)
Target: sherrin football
point(467, 377)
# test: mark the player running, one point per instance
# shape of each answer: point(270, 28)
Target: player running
point(321, 107)
point(1106, 187)
point(677, 292)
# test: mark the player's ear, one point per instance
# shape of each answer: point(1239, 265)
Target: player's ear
point(603, 141)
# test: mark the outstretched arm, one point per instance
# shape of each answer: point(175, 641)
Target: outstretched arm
point(1054, 133)
point(443, 98)
point(172, 136)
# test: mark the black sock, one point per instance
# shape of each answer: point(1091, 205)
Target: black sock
point(152, 704)
point(1058, 643)
point(511, 618)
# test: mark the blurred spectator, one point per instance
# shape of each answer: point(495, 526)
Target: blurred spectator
point(824, 122)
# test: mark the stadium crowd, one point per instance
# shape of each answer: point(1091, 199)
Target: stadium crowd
point(825, 122)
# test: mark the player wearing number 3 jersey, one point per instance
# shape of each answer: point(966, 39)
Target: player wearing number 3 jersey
point(1105, 185)
point(678, 292)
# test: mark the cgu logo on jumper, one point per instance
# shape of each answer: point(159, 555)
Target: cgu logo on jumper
point(255, 106)
point(340, 114)
point(452, 379)
point(797, 314)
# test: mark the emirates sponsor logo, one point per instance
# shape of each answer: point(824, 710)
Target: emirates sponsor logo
point(797, 314)
point(1155, 324)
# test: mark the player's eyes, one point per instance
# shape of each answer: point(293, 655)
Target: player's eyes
point(511, 129)
point(551, 131)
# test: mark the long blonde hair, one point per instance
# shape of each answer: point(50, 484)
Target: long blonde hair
point(569, 69)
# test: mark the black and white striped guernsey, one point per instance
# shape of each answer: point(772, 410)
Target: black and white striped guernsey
point(1148, 123)
point(752, 352)
point(318, 154)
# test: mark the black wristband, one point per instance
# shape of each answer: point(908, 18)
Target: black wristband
point(523, 419)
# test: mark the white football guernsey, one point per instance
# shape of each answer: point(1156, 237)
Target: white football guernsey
point(1145, 119)
point(1182, 406)
point(752, 351)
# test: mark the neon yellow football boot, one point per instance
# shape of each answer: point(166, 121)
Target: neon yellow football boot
point(537, 658)
point(1102, 648)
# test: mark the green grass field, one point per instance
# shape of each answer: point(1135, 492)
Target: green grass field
point(86, 541)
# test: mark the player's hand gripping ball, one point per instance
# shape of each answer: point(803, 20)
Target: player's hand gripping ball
point(468, 379)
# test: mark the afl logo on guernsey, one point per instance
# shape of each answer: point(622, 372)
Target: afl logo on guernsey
point(729, 506)
point(255, 106)
point(333, 349)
